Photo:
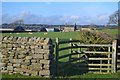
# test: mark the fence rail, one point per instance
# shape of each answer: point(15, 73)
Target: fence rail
point(105, 60)
point(118, 46)
point(93, 45)
point(80, 52)
point(118, 57)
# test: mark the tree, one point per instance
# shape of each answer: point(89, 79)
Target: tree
point(113, 19)
point(75, 27)
point(92, 26)
point(95, 37)
point(18, 22)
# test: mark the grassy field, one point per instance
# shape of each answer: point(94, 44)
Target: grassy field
point(87, 75)
point(73, 73)
point(53, 35)
point(61, 35)
point(110, 31)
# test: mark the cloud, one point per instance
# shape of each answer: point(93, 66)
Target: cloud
point(56, 19)
point(100, 19)
point(48, 3)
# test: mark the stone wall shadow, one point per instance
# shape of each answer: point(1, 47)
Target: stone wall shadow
point(67, 69)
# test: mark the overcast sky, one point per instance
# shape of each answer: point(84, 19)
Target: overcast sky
point(58, 12)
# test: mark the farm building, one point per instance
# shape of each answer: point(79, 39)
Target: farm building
point(52, 30)
point(43, 29)
point(19, 28)
point(68, 29)
point(5, 30)
point(88, 29)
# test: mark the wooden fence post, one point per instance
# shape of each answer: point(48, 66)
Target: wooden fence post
point(57, 54)
point(70, 51)
point(108, 59)
point(114, 56)
point(79, 50)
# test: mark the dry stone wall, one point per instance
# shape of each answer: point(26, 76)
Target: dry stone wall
point(32, 56)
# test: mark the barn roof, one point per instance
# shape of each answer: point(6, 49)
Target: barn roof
point(19, 28)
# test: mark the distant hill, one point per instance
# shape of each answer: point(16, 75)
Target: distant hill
point(36, 27)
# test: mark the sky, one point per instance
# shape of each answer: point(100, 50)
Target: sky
point(59, 0)
point(58, 12)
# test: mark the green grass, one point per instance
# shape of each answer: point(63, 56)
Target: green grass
point(17, 75)
point(91, 75)
point(61, 35)
point(87, 75)
point(53, 35)
point(110, 31)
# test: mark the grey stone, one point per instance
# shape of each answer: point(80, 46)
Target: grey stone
point(5, 38)
point(24, 66)
point(42, 51)
point(4, 68)
point(27, 62)
point(10, 68)
point(24, 70)
point(14, 72)
point(16, 65)
point(4, 45)
point(41, 40)
point(16, 60)
point(9, 45)
point(10, 72)
point(4, 51)
point(22, 46)
point(36, 66)
point(34, 73)
point(10, 64)
point(38, 39)
point(27, 74)
point(3, 60)
point(11, 55)
point(38, 56)
point(48, 56)
point(16, 69)
point(28, 57)
point(21, 56)
point(9, 49)
point(19, 49)
point(38, 60)
point(22, 52)
point(44, 72)
point(33, 61)
point(46, 66)
point(10, 38)
point(32, 51)
point(3, 64)
point(47, 46)
point(5, 56)
point(4, 71)
point(47, 40)
point(45, 61)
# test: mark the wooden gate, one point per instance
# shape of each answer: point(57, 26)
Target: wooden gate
point(86, 57)
point(118, 57)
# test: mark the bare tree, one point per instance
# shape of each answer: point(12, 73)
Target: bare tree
point(18, 22)
point(113, 19)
